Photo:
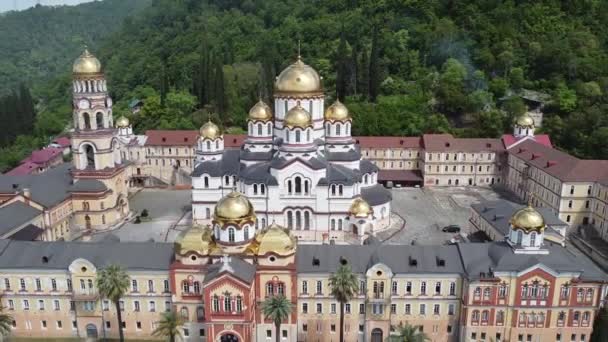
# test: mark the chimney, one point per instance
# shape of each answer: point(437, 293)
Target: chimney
point(522, 150)
point(27, 193)
point(535, 156)
point(551, 163)
point(447, 144)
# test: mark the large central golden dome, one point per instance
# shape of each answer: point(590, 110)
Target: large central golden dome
point(260, 112)
point(210, 131)
point(196, 239)
point(298, 117)
point(360, 208)
point(86, 64)
point(528, 219)
point(525, 121)
point(234, 206)
point(298, 78)
point(337, 112)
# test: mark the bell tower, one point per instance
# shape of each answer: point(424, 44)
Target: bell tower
point(96, 151)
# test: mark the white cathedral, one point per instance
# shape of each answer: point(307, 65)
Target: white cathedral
point(299, 168)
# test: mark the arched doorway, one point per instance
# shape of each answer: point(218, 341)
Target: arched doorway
point(377, 335)
point(87, 221)
point(90, 155)
point(91, 331)
point(353, 228)
point(229, 338)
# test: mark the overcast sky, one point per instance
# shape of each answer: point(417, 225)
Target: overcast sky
point(9, 5)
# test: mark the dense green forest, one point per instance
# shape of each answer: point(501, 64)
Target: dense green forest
point(404, 67)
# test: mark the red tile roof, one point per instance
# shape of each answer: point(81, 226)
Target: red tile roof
point(559, 164)
point(171, 137)
point(447, 143)
point(234, 140)
point(400, 175)
point(509, 139)
point(62, 141)
point(45, 155)
point(24, 169)
point(388, 142)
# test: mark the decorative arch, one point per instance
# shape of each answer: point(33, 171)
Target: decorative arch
point(223, 336)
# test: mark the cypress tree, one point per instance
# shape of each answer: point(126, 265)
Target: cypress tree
point(600, 326)
point(341, 69)
point(27, 112)
point(363, 75)
point(374, 68)
point(220, 93)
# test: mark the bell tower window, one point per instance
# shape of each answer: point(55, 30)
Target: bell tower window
point(230, 234)
point(87, 120)
point(99, 120)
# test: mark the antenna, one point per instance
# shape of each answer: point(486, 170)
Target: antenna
point(299, 56)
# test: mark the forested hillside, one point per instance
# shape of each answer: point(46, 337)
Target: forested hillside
point(40, 43)
point(404, 67)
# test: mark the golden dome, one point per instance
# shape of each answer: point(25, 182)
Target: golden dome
point(234, 206)
point(210, 131)
point(525, 120)
point(528, 219)
point(298, 78)
point(274, 239)
point(298, 117)
point(86, 64)
point(360, 208)
point(196, 239)
point(122, 122)
point(337, 112)
point(260, 112)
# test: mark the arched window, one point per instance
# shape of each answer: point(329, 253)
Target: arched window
point(246, 233)
point(298, 136)
point(227, 303)
point(347, 129)
point(217, 144)
point(586, 316)
point(486, 293)
point(200, 313)
point(216, 303)
point(250, 129)
point(306, 220)
point(500, 316)
point(262, 189)
point(289, 190)
point(520, 237)
point(90, 157)
point(287, 135)
point(366, 179)
point(298, 185)
point(533, 239)
point(260, 129)
point(338, 129)
point(208, 145)
point(306, 187)
point(577, 315)
point(230, 234)
point(327, 128)
point(281, 289)
point(475, 316)
point(485, 315)
point(298, 220)
point(206, 181)
point(263, 222)
point(227, 180)
point(289, 220)
point(184, 312)
point(87, 120)
point(239, 304)
point(308, 135)
point(477, 292)
point(340, 224)
point(340, 189)
point(269, 128)
point(269, 289)
point(333, 189)
point(333, 224)
point(197, 287)
point(255, 189)
point(99, 120)
point(207, 213)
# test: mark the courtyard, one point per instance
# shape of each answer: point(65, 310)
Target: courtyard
point(425, 211)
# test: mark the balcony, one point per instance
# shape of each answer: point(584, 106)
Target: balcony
point(87, 294)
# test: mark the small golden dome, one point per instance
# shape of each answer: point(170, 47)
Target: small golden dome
point(260, 112)
point(122, 122)
point(196, 239)
point(298, 78)
point(528, 219)
point(86, 64)
point(274, 239)
point(298, 117)
point(525, 121)
point(234, 206)
point(210, 131)
point(337, 112)
point(360, 208)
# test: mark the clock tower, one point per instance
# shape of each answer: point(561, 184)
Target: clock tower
point(96, 150)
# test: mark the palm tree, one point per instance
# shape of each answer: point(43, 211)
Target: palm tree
point(113, 283)
point(343, 287)
point(277, 309)
point(6, 324)
point(169, 326)
point(408, 333)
